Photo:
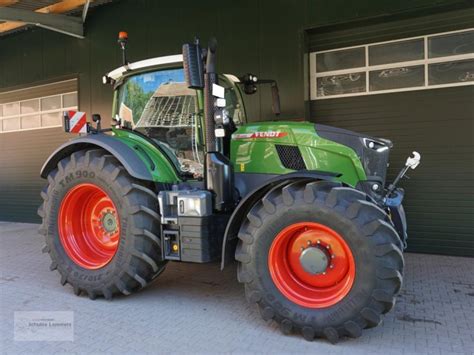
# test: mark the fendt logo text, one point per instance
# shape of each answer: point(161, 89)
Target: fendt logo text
point(266, 134)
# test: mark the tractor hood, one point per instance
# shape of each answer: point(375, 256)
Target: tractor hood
point(357, 157)
point(373, 152)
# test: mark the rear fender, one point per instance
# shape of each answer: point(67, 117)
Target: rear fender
point(138, 167)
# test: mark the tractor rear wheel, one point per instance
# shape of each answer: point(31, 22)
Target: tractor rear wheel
point(319, 259)
point(101, 226)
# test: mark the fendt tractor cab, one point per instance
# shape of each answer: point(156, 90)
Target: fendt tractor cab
point(183, 175)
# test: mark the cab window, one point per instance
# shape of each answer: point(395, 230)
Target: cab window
point(161, 105)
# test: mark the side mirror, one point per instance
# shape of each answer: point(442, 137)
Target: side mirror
point(275, 99)
point(250, 82)
point(193, 65)
point(96, 118)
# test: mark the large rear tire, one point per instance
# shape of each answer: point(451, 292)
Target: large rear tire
point(101, 226)
point(320, 259)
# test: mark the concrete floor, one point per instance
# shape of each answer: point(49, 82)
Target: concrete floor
point(198, 309)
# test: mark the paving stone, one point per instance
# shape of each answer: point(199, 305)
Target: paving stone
point(194, 308)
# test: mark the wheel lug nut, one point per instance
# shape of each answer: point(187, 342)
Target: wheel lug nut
point(309, 242)
point(328, 247)
point(331, 266)
point(319, 242)
point(324, 272)
point(333, 256)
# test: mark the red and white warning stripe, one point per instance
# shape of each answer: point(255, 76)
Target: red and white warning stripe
point(77, 122)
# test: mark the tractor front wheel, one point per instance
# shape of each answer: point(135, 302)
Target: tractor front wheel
point(101, 226)
point(320, 259)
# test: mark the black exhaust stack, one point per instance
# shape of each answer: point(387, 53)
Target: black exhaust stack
point(210, 79)
point(219, 173)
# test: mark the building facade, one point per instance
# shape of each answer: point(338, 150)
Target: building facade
point(403, 70)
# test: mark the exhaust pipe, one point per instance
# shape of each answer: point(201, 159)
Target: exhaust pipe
point(210, 79)
point(219, 174)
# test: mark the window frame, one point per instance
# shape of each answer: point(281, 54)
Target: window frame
point(19, 116)
point(314, 75)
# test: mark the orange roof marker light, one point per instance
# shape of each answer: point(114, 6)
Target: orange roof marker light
point(122, 41)
point(123, 35)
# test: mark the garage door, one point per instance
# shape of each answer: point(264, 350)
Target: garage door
point(30, 130)
point(411, 81)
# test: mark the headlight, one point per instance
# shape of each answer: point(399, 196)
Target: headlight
point(375, 160)
point(375, 145)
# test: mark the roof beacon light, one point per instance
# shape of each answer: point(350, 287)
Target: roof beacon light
point(123, 36)
point(122, 41)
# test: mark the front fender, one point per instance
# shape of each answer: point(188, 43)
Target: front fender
point(128, 157)
point(399, 219)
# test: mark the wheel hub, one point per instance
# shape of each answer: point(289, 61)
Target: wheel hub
point(311, 264)
point(314, 260)
point(89, 226)
point(109, 222)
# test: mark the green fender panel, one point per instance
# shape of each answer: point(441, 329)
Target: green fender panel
point(160, 167)
point(140, 158)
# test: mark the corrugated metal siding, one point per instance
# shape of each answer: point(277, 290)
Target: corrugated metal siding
point(382, 30)
point(42, 55)
point(38, 91)
point(22, 156)
point(437, 122)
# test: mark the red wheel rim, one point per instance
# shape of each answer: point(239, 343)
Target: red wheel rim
point(286, 262)
point(89, 226)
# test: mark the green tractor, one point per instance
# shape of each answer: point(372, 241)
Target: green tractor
point(303, 208)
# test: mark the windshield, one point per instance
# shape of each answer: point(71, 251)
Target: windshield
point(160, 104)
point(156, 99)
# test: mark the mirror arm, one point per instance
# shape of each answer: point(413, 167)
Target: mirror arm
point(251, 81)
point(275, 98)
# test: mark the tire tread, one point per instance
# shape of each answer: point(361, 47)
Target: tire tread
point(355, 206)
point(148, 265)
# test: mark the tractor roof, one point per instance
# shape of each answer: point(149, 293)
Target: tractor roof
point(118, 73)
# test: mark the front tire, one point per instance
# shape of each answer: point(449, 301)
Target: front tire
point(319, 259)
point(101, 226)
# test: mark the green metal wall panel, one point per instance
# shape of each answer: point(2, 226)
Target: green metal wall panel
point(267, 38)
point(439, 123)
point(264, 37)
point(21, 158)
